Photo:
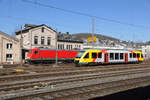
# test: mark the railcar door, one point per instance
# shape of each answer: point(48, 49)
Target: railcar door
point(106, 58)
point(126, 57)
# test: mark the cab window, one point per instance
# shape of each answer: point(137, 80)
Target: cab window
point(36, 52)
point(87, 55)
point(94, 55)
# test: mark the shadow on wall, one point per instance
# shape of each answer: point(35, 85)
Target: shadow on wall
point(142, 93)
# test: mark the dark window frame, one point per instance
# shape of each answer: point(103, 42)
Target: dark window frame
point(48, 40)
point(116, 56)
point(134, 55)
point(131, 55)
point(111, 56)
point(121, 55)
point(42, 40)
point(87, 55)
point(138, 55)
point(35, 39)
point(9, 45)
point(100, 55)
point(36, 52)
point(94, 55)
point(42, 30)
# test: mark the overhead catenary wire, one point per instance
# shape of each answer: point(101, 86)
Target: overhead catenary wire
point(84, 14)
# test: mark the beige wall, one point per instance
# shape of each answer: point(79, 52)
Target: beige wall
point(28, 37)
point(71, 45)
point(14, 51)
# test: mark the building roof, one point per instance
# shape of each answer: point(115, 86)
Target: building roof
point(72, 41)
point(8, 36)
point(30, 26)
point(61, 36)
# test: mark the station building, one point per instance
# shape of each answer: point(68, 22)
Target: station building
point(43, 36)
point(9, 49)
point(146, 51)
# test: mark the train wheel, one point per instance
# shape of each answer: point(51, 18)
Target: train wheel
point(77, 65)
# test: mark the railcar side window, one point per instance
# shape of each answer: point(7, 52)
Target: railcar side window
point(111, 56)
point(138, 55)
point(87, 55)
point(134, 55)
point(116, 56)
point(94, 55)
point(35, 52)
point(99, 55)
point(131, 55)
point(121, 56)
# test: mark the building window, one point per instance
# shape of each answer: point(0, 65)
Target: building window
point(60, 46)
point(67, 47)
point(42, 40)
point(48, 41)
point(8, 57)
point(71, 46)
point(42, 30)
point(9, 46)
point(35, 39)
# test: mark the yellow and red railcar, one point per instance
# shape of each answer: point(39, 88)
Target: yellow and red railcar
point(96, 56)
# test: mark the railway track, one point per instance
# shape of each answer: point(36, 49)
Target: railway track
point(63, 83)
point(8, 78)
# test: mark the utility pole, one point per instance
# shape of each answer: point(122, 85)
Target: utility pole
point(21, 47)
point(93, 20)
point(56, 62)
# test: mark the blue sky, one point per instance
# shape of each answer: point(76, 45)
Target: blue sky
point(17, 12)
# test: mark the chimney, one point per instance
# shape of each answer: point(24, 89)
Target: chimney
point(27, 26)
point(67, 33)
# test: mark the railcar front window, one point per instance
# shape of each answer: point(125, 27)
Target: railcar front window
point(87, 55)
point(80, 54)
